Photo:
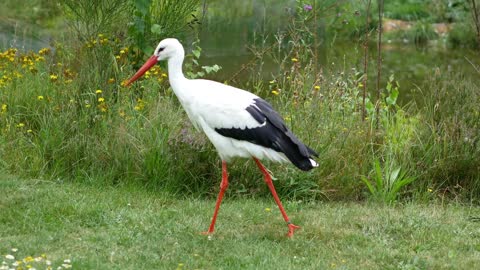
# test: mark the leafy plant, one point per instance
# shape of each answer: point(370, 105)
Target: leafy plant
point(387, 182)
point(192, 66)
point(462, 35)
point(388, 101)
point(154, 20)
point(90, 17)
point(420, 33)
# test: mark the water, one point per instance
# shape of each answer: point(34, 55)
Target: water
point(21, 35)
point(230, 26)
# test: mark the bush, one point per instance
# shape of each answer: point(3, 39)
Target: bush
point(463, 35)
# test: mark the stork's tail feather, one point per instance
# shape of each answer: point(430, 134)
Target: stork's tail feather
point(299, 154)
point(305, 164)
point(314, 163)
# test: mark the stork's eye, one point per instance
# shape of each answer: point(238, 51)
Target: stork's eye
point(160, 49)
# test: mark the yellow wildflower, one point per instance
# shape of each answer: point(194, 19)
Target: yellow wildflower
point(117, 57)
point(101, 99)
point(103, 107)
point(430, 190)
point(4, 108)
point(101, 35)
point(164, 75)
point(294, 60)
point(122, 51)
point(17, 75)
point(53, 77)
point(88, 105)
point(140, 105)
point(275, 92)
point(111, 80)
point(268, 209)
point(20, 125)
point(317, 87)
point(44, 51)
point(272, 81)
point(98, 91)
point(40, 97)
point(29, 131)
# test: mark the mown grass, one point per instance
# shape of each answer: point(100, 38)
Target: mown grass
point(132, 227)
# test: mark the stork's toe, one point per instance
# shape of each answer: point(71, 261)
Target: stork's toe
point(291, 229)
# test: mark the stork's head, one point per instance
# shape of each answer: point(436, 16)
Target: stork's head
point(166, 49)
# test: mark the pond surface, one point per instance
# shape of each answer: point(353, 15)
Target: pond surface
point(230, 26)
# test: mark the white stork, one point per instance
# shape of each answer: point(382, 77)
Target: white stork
point(237, 122)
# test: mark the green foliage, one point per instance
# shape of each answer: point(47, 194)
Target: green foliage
point(55, 123)
point(408, 10)
point(40, 12)
point(387, 182)
point(463, 35)
point(449, 150)
point(90, 18)
point(155, 20)
point(131, 227)
point(192, 64)
point(420, 33)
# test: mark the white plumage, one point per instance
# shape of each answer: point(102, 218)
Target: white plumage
point(221, 106)
point(237, 122)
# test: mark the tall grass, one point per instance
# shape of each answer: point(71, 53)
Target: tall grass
point(74, 120)
point(463, 35)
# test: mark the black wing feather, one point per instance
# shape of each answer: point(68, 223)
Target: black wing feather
point(273, 133)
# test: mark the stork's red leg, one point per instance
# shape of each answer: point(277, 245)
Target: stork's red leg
point(268, 180)
point(223, 187)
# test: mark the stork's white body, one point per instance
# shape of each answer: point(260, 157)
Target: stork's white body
point(211, 105)
point(237, 122)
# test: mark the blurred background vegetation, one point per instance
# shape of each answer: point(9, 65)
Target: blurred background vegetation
point(66, 115)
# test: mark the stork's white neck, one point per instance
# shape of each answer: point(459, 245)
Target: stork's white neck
point(175, 68)
point(178, 82)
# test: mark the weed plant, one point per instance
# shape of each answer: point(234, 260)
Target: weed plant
point(463, 35)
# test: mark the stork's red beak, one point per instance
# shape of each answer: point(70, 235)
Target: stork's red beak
point(149, 64)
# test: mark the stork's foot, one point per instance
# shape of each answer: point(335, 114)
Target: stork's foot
point(291, 229)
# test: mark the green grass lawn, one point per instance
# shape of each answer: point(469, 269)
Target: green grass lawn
point(134, 228)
